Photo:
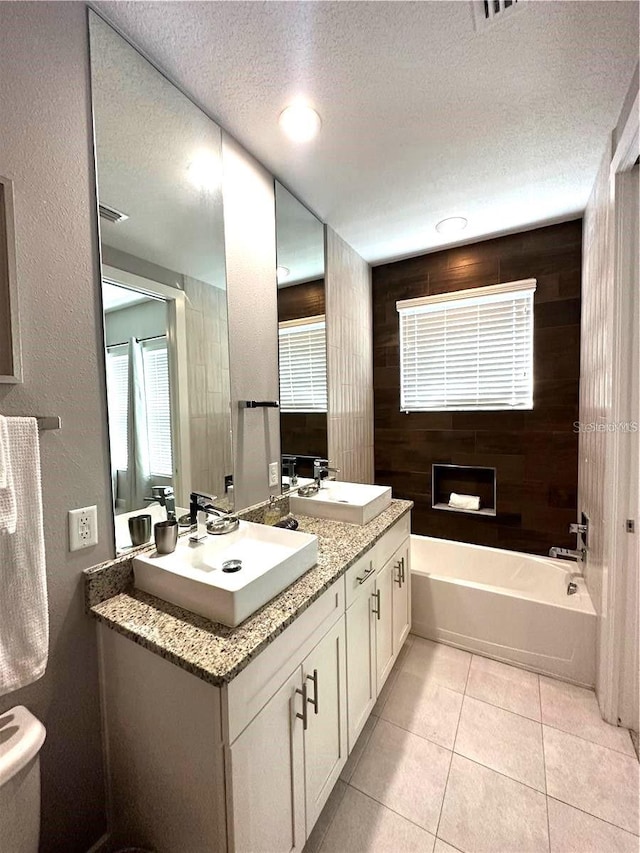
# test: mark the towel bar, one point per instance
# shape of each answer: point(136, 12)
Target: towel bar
point(48, 422)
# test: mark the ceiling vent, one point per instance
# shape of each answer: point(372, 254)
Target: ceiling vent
point(111, 214)
point(486, 12)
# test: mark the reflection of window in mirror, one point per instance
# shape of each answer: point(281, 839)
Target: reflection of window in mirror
point(302, 335)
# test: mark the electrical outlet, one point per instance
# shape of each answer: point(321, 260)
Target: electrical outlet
point(83, 528)
point(273, 474)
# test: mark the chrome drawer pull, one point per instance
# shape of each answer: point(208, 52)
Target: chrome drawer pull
point(369, 571)
point(376, 595)
point(403, 577)
point(398, 580)
point(303, 716)
point(314, 701)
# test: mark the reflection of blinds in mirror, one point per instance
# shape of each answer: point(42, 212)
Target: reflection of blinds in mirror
point(303, 365)
point(157, 395)
point(117, 404)
point(156, 378)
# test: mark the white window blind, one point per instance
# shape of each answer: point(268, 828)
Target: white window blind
point(156, 380)
point(469, 350)
point(118, 404)
point(303, 365)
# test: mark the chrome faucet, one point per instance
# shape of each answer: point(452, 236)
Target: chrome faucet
point(164, 495)
point(321, 470)
point(200, 507)
point(289, 470)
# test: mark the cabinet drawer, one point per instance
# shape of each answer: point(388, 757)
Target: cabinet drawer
point(251, 689)
point(357, 574)
point(392, 540)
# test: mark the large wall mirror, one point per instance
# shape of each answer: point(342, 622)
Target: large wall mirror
point(163, 285)
point(301, 336)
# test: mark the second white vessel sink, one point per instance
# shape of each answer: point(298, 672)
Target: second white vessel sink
point(355, 503)
point(206, 578)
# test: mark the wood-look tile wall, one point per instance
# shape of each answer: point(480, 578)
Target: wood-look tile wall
point(535, 452)
point(303, 434)
point(349, 360)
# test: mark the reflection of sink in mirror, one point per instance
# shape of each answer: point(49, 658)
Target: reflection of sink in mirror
point(301, 481)
point(205, 578)
point(355, 503)
point(164, 292)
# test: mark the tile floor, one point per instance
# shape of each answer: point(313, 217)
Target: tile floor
point(466, 754)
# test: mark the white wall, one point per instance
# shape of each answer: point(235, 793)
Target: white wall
point(250, 249)
point(45, 147)
point(349, 360)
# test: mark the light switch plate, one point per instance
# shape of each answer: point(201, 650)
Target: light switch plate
point(273, 474)
point(83, 528)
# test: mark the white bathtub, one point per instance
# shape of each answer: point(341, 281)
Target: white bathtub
point(505, 605)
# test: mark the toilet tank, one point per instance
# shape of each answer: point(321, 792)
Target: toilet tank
point(21, 736)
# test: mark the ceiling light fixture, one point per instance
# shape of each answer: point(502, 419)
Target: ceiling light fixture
point(204, 171)
point(451, 225)
point(282, 273)
point(300, 122)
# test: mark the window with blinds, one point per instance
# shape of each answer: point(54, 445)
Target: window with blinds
point(470, 350)
point(303, 365)
point(156, 379)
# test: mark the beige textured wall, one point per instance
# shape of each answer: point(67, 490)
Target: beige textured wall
point(349, 360)
point(210, 418)
point(45, 147)
point(250, 250)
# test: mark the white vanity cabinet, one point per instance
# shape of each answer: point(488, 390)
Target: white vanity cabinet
point(285, 763)
point(248, 766)
point(377, 621)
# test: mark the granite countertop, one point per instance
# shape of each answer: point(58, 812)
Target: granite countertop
point(207, 649)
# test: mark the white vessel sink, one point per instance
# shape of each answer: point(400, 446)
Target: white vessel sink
point(354, 503)
point(194, 576)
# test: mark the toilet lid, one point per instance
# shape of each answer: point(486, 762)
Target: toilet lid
point(21, 736)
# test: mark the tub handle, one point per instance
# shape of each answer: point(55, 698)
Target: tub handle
point(369, 571)
point(376, 595)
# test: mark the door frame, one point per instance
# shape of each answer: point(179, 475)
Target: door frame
point(178, 370)
point(620, 605)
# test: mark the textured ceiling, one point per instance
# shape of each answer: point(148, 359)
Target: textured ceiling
point(423, 116)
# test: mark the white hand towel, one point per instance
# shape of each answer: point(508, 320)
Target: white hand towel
point(8, 514)
point(464, 501)
point(24, 616)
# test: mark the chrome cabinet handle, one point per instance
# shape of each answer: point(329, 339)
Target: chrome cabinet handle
point(369, 571)
point(403, 577)
point(398, 580)
point(303, 716)
point(314, 701)
point(376, 595)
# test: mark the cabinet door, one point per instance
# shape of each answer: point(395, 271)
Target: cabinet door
point(383, 607)
point(361, 661)
point(325, 739)
point(267, 777)
point(401, 599)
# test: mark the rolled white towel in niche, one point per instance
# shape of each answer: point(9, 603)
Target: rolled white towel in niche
point(471, 502)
